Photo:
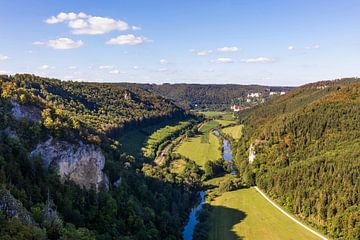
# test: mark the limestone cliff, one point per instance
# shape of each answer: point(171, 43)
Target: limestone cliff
point(11, 208)
point(252, 153)
point(30, 113)
point(81, 163)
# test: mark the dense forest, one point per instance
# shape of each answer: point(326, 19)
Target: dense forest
point(307, 154)
point(36, 202)
point(208, 96)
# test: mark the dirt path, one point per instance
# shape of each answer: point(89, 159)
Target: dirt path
point(161, 158)
point(289, 216)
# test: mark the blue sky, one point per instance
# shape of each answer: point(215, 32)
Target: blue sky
point(269, 42)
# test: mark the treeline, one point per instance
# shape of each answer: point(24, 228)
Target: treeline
point(308, 154)
point(139, 204)
point(206, 96)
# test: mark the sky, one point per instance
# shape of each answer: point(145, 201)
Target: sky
point(268, 42)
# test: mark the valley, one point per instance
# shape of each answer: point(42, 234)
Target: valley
point(157, 162)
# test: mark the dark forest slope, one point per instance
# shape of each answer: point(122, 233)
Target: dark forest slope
point(208, 96)
point(307, 146)
point(71, 122)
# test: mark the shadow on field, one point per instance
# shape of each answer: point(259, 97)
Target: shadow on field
point(217, 223)
point(226, 219)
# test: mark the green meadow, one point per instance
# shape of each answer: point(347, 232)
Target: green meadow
point(145, 141)
point(235, 131)
point(203, 147)
point(245, 214)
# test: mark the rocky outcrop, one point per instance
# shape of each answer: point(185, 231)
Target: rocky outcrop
point(81, 163)
point(30, 113)
point(8, 133)
point(12, 208)
point(252, 153)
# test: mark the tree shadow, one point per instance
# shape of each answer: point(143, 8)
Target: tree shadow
point(224, 225)
point(134, 140)
point(217, 222)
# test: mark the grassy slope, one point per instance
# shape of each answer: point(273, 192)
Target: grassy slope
point(159, 135)
point(246, 214)
point(135, 141)
point(235, 132)
point(203, 147)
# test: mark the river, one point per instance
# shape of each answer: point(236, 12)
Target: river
point(190, 225)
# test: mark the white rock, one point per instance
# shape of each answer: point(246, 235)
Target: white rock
point(82, 163)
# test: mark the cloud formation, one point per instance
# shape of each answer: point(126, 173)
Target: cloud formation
point(61, 43)
point(228, 49)
point(258, 60)
point(223, 60)
point(115, 71)
point(291, 47)
point(44, 67)
point(315, 46)
point(201, 52)
point(3, 57)
point(164, 61)
point(81, 23)
point(106, 67)
point(128, 39)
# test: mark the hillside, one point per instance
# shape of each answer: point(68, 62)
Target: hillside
point(210, 96)
point(307, 154)
point(63, 174)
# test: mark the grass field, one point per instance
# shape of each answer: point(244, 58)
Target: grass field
point(245, 214)
point(203, 147)
point(160, 135)
point(212, 114)
point(136, 141)
point(224, 123)
point(235, 131)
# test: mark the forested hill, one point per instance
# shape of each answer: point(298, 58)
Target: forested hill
point(63, 174)
point(209, 96)
point(91, 108)
point(307, 154)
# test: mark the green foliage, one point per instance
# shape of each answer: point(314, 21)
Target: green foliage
point(307, 154)
point(143, 205)
point(206, 97)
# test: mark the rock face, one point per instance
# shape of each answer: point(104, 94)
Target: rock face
point(81, 163)
point(25, 112)
point(11, 208)
point(252, 153)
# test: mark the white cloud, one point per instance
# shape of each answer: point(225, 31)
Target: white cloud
point(3, 57)
point(164, 61)
point(61, 43)
point(82, 23)
point(115, 71)
point(315, 46)
point(136, 67)
point(3, 72)
point(162, 70)
point(44, 67)
point(228, 49)
point(73, 67)
point(291, 47)
point(257, 60)
point(201, 52)
point(136, 28)
point(106, 67)
point(128, 39)
point(223, 60)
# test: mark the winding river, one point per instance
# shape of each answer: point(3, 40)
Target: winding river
point(190, 225)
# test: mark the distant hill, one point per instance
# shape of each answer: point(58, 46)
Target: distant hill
point(210, 96)
point(307, 153)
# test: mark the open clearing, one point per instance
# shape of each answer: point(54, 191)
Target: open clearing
point(203, 147)
point(235, 131)
point(245, 214)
